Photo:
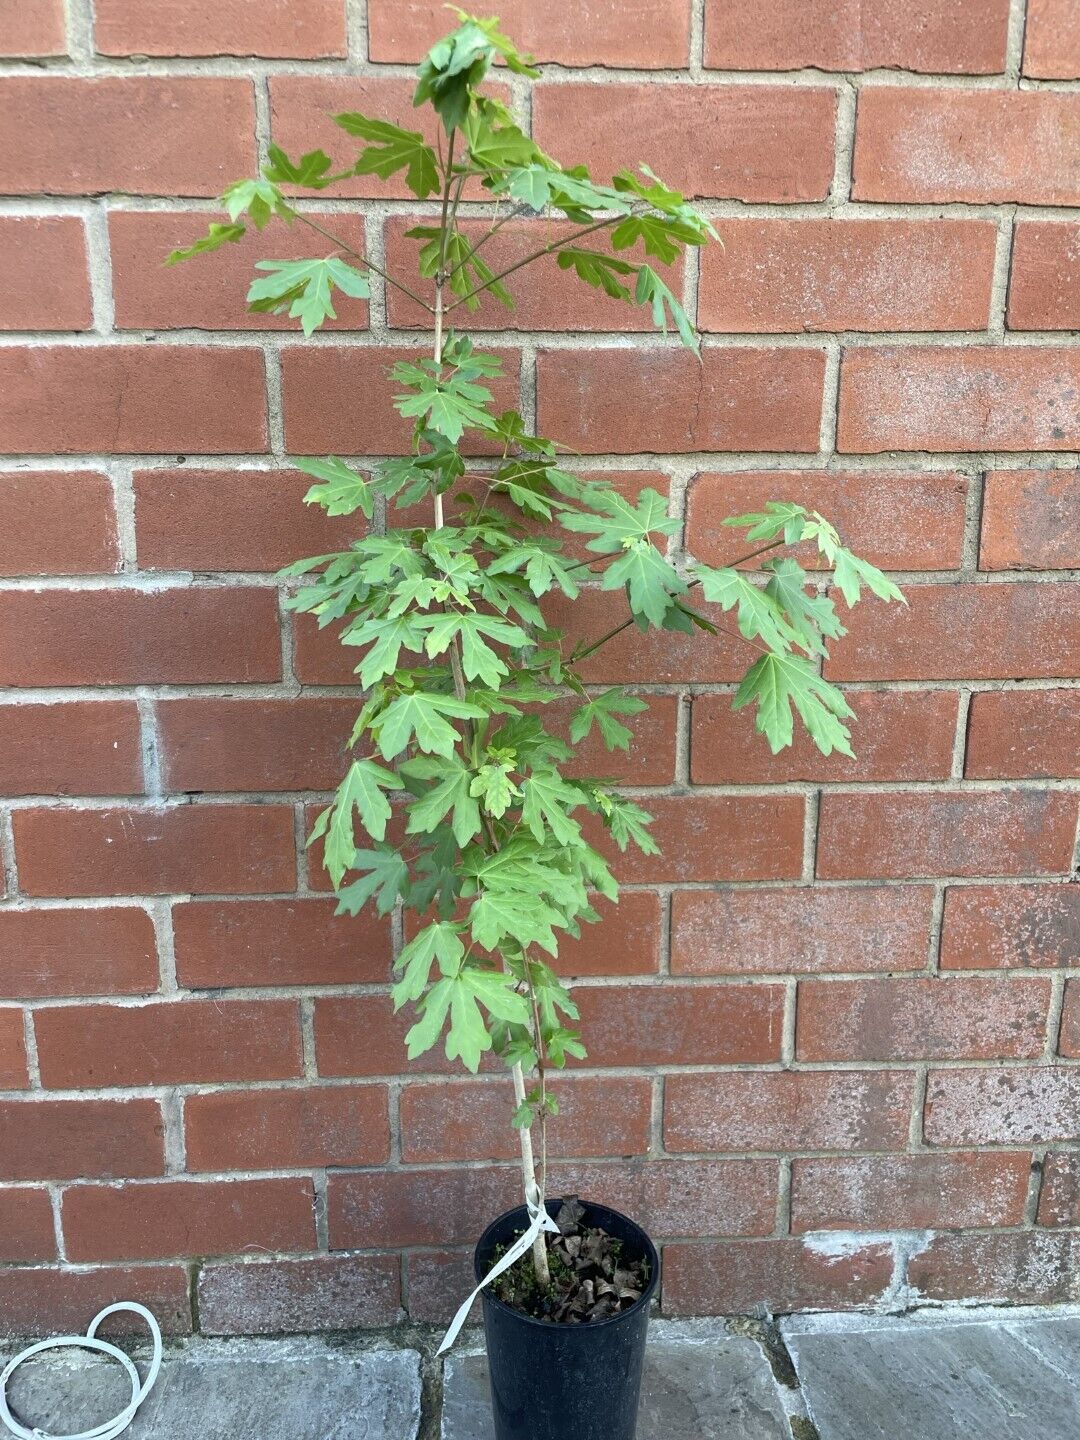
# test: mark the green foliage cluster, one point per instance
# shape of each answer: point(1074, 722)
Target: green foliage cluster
point(494, 845)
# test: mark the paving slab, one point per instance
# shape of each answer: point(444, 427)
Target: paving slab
point(699, 1382)
point(938, 1377)
point(225, 1389)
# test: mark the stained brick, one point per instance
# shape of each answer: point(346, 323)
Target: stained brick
point(57, 523)
point(1000, 927)
point(291, 1129)
point(69, 952)
point(1024, 734)
point(37, 1301)
point(85, 747)
point(222, 745)
point(682, 1024)
point(1069, 1040)
point(735, 1276)
point(415, 1206)
point(26, 1226)
point(32, 29)
point(1021, 1267)
point(273, 28)
point(67, 1139)
point(625, 942)
point(1031, 520)
point(1059, 1200)
point(13, 1070)
point(1052, 40)
point(44, 260)
point(275, 1296)
point(718, 837)
point(1017, 1105)
point(1044, 289)
point(680, 1197)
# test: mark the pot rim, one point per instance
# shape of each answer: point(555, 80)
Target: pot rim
point(591, 1325)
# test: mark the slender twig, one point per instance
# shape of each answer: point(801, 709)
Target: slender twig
point(536, 255)
point(356, 254)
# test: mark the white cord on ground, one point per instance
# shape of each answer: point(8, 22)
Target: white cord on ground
point(111, 1428)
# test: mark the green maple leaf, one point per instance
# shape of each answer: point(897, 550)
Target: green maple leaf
point(650, 580)
point(779, 516)
point(387, 879)
point(547, 801)
point(361, 790)
point(439, 941)
point(651, 290)
point(601, 711)
point(214, 239)
point(778, 682)
point(390, 149)
point(451, 791)
point(310, 170)
point(813, 616)
point(596, 269)
point(342, 492)
point(424, 716)
point(304, 288)
point(759, 614)
point(616, 521)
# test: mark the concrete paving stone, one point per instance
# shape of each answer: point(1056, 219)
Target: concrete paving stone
point(223, 1390)
point(699, 1382)
point(1005, 1374)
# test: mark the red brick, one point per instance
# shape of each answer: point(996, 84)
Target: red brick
point(650, 759)
point(369, 1208)
point(938, 37)
point(779, 1276)
point(1000, 927)
point(170, 1043)
point(202, 850)
point(545, 297)
point(673, 1024)
point(1052, 40)
point(808, 931)
point(177, 636)
point(909, 1192)
point(964, 632)
point(896, 735)
point(1044, 288)
point(470, 1120)
point(139, 135)
point(131, 399)
point(67, 1139)
point(13, 1071)
point(221, 27)
point(1069, 1041)
point(56, 522)
point(214, 520)
point(787, 1110)
point(1031, 520)
point(718, 837)
point(277, 942)
point(730, 142)
point(630, 34)
point(737, 398)
point(778, 275)
point(437, 1280)
point(287, 1129)
point(321, 384)
point(285, 1296)
point(625, 942)
point(1059, 1202)
point(57, 1302)
point(86, 747)
point(1024, 734)
point(359, 1035)
point(974, 397)
point(26, 1226)
point(183, 1217)
point(55, 953)
point(1012, 1106)
point(974, 146)
point(897, 520)
point(679, 1197)
point(1025, 1267)
point(965, 833)
point(44, 260)
point(32, 29)
point(221, 745)
point(210, 294)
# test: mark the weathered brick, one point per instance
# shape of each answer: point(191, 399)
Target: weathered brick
point(1069, 1040)
point(34, 29)
point(1044, 288)
point(626, 942)
point(787, 1110)
point(672, 1024)
point(909, 1192)
point(291, 1129)
point(277, 942)
point(57, 523)
point(1059, 1200)
point(897, 520)
point(131, 399)
point(26, 1226)
point(970, 397)
point(311, 31)
point(896, 735)
point(805, 931)
point(963, 833)
point(222, 745)
point(183, 635)
point(437, 1279)
point(1000, 927)
point(168, 1043)
point(139, 135)
point(679, 1197)
point(68, 1139)
point(631, 34)
point(281, 1296)
point(939, 37)
point(1024, 734)
point(202, 850)
point(717, 837)
point(736, 1276)
point(188, 1217)
point(964, 632)
point(1020, 1267)
point(368, 1208)
point(70, 952)
point(210, 295)
point(471, 1120)
point(85, 747)
point(777, 275)
point(44, 260)
point(13, 1070)
point(1018, 1105)
point(1031, 520)
point(1052, 40)
point(35, 1301)
point(932, 146)
point(737, 398)
point(731, 142)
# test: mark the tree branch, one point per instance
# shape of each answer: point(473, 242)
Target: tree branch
point(537, 255)
point(348, 249)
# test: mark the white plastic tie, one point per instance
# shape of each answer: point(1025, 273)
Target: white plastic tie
point(139, 1391)
point(539, 1220)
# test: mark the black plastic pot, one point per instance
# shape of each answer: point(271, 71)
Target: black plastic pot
point(566, 1382)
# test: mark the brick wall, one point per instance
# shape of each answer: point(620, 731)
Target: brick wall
point(862, 978)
